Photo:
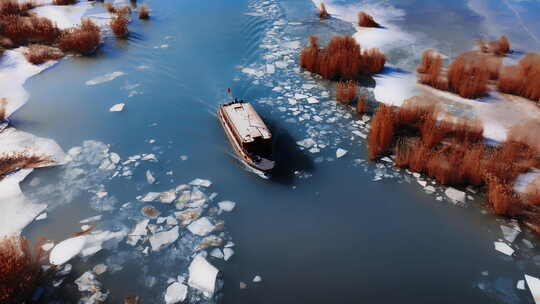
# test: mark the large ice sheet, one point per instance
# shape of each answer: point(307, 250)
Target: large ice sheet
point(64, 16)
point(202, 276)
point(13, 140)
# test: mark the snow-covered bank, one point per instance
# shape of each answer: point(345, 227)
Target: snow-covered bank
point(15, 70)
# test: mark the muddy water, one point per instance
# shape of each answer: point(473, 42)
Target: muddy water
point(323, 229)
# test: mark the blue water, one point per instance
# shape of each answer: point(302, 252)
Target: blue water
point(321, 230)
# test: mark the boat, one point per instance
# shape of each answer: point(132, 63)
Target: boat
point(248, 135)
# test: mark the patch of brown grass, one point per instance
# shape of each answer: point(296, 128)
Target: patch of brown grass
point(64, 2)
point(500, 196)
point(366, 20)
point(500, 46)
point(13, 161)
point(144, 12)
point(342, 59)
point(468, 75)
point(430, 70)
point(20, 270)
point(13, 7)
point(83, 39)
point(3, 104)
point(25, 30)
point(345, 91)
point(119, 26)
point(361, 104)
point(109, 7)
point(323, 13)
point(382, 131)
point(38, 54)
point(522, 79)
point(125, 10)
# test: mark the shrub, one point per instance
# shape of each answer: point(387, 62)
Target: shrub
point(20, 160)
point(126, 10)
point(472, 166)
point(144, 12)
point(522, 79)
point(38, 54)
point(109, 7)
point(119, 26)
point(361, 105)
point(24, 30)
point(430, 68)
point(500, 47)
point(14, 7)
point(3, 104)
point(323, 13)
point(342, 59)
point(500, 196)
point(83, 39)
point(345, 91)
point(468, 75)
point(382, 131)
point(366, 20)
point(64, 2)
point(20, 270)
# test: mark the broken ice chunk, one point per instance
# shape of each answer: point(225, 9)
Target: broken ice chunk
point(227, 253)
point(520, 285)
point(217, 253)
point(201, 226)
point(149, 177)
point(503, 248)
point(510, 233)
point(312, 100)
point(202, 276)
point(455, 194)
point(534, 287)
point(188, 215)
point(176, 292)
point(306, 143)
point(138, 231)
point(201, 182)
point(227, 206)
point(117, 107)
point(340, 152)
point(257, 279)
point(162, 239)
point(66, 250)
point(167, 197)
point(149, 197)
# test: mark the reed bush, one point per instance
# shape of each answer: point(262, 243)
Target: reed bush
point(382, 131)
point(119, 26)
point(25, 30)
point(361, 105)
point(20, 270)
point(64, 2)
point(345, 91)
point(366, 20)
point(109, 7)
point(323, 13)
point(38, 54)
point(83, 39)
point(144, 12)
point(468, 75)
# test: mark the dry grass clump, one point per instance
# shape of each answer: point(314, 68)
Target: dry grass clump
point(342, 59)
point(126, 10)
point(382, 131)
point(522, 79)
point(345, 91)
point(20, 270)
point(109, 7)
point(19, 160)
point(361, 105)
point(13, 7)
point(119, 26)
point(323, 13)
point(3, 104)
point(24, 30)
point(499, 47)
point(38, 54)
point(366, 20)
point(144, 12)
point(83, 39)
point(468, 75)
point(430, 70)
point(64, 2)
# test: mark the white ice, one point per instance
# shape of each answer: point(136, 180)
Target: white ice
point(176, 292)
point(201, 182)
point(227, 253)
point(162, 239)
point(149, 177)
point(534, 287)
point(340, 152)
point(66, 250)
point(455, 195)
point(117, 107)
point(202, 276)
point(503, 248)
point(105, 78)
point(201, 227)
point(226, 206)
point(137, 232)
point(393, 86)
point(64, 16)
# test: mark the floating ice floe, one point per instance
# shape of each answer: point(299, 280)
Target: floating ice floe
point(503, 248)
point(216, 253)
point(510, 233)
point(105, 78)
point(66, 250)
point(227, 253)
point(202, 276)
point(340, 152)
point(520, 285)
point(176, 292)
point(306, 143)
point(162, 239)
point(167, 197)
point(201, 182)
point(64, 16)
point(149, 197)
point(117, 107)
point(226, 206)
point(534, 287)
point(149, 177)
point(455, 195)
point(257, 279)
point(137, 232)
point(201, 227)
